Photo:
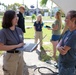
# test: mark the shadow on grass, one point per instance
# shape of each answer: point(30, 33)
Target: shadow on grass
point(44, 56)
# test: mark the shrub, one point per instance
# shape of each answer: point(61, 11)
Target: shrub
point(33, 17)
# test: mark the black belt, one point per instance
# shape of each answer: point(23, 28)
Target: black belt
point(13, 51)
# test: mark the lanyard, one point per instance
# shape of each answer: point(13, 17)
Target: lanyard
point(17, 38)
point(68, 36)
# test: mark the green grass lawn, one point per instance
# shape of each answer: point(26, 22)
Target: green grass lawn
point(49, 49)
point(43, 17)
point(30, 32)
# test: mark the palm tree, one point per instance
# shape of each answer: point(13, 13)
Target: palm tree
point(44, 2)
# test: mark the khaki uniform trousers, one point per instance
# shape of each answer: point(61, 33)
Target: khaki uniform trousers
point(39, 35)
point(13, 64)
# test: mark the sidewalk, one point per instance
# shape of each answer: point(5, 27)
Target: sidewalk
point(32, 61)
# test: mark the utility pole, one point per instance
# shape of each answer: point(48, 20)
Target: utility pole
point(37, 8)
point(22, 2)
point(51, 11)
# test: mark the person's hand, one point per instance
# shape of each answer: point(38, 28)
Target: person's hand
point(49, 28)
point(61, 50)
point(20, 45)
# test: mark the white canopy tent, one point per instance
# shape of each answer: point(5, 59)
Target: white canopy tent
point(66, 5)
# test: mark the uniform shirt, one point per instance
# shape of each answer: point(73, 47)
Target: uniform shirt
point(69, 59)
point(58, 31)
point(11, 37)
point(38, 26)
point(21, 21)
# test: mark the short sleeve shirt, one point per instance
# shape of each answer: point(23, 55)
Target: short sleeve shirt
point(69, 59)
point(11, 37)
point(38, 26)
point(58, 31)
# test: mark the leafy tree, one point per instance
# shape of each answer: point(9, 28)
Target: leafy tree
point(33, 17)
point(43, 2)
point(3, 5)
point(14, 6)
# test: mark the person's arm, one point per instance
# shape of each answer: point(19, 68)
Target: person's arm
point(70, 43)
point(55, 25)
point(3, 40)
point(54, 28)
point(59, 44)
point(66, 49)
point(61, 49)
point(42, 24)
point(35, 26)
point(9, 47)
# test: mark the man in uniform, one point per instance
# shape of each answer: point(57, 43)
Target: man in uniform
point(21, 19)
